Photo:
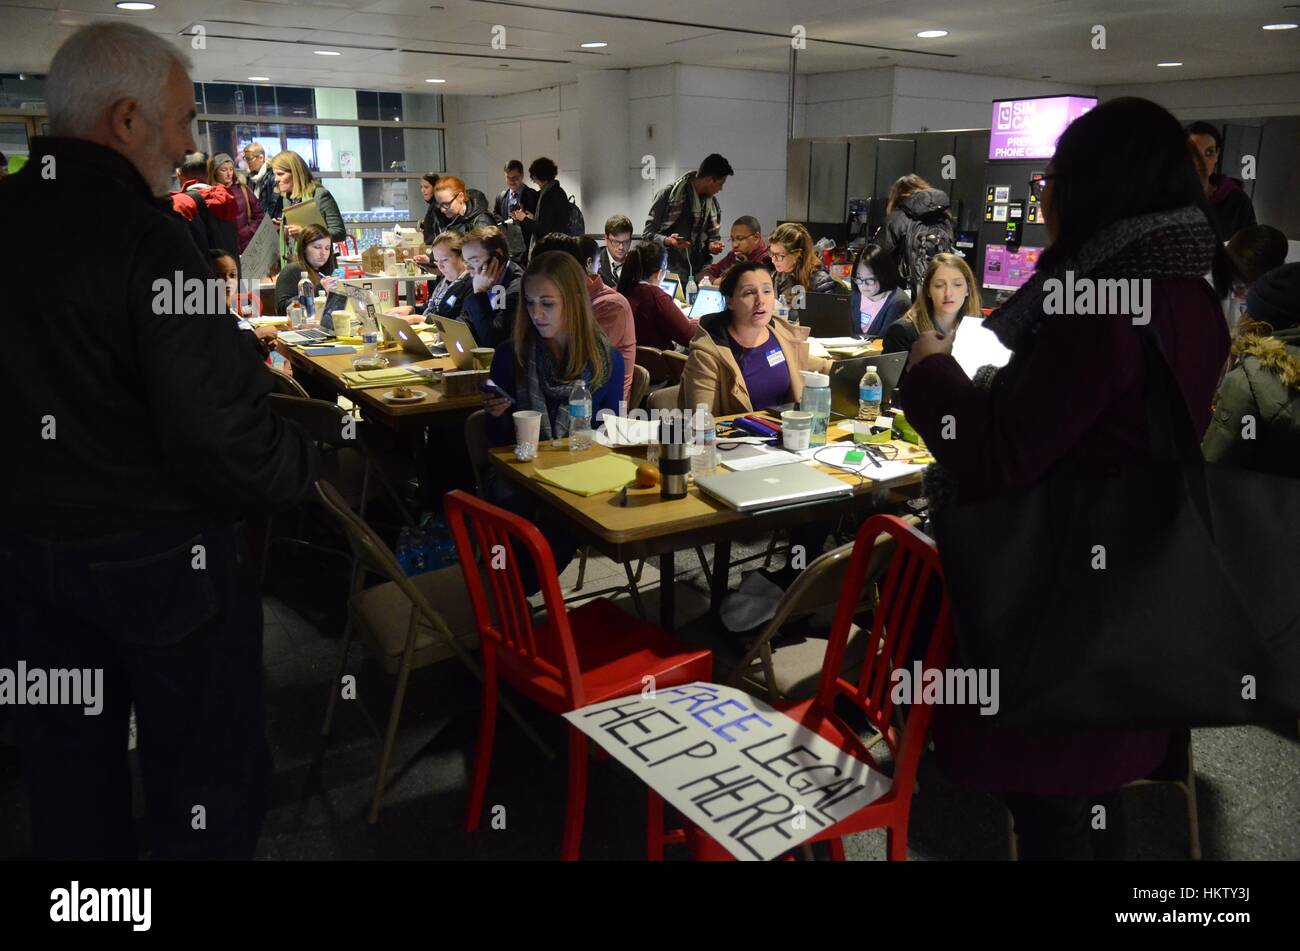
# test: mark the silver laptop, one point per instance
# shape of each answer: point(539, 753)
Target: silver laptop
point(457, 344)
point(755, 489)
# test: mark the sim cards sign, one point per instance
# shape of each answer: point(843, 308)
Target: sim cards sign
point(1029, 128)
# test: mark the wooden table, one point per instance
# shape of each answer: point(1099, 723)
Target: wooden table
point(437, 408)
point(650, 526)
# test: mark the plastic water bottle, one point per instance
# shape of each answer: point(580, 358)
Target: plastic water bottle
point(870, 392)
point(704, 460)
point(390, 262)
point(305, 293)
point(369, 335)
point(692, 289)
point(816, 399)
point(297, 316)
point(579, 417)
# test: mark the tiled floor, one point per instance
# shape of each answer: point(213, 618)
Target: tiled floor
point(1248, 778)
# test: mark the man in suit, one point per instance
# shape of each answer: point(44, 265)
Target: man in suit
point(618, 242)
point(510, 207)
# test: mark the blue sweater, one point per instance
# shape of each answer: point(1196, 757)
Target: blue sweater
point(501, 429)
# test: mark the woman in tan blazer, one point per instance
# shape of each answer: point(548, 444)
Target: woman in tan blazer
point(745, 357)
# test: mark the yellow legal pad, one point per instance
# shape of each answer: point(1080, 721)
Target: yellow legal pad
point(393, 376)
point(591, 476)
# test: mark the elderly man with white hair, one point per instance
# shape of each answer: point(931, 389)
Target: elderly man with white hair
point(139, 434)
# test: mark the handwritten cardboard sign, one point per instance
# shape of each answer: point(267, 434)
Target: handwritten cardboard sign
point(755, 780)
point(262, 252)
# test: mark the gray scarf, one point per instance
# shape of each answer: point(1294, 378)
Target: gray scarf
point(1161, 245)
point(542, 387)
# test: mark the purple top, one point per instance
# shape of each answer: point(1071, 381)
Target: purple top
point(763, 368)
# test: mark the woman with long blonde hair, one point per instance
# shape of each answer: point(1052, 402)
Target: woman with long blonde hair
point(293, 180)
point(948, 293)
point(554, 343)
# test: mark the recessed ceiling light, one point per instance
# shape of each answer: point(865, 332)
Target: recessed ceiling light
point(259, 79)
point(1169, 64)
point(135, 5)
point(435, 80)
point(327, 52)
point(594, 45)
point(1279, 26)
point(932, 34)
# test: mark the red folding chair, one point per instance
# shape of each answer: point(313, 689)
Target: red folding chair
point(347, 246)
point(571, 659)
point(913, 573)
point(252, 301)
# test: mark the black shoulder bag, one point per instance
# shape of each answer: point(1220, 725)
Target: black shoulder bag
point(1162, 595)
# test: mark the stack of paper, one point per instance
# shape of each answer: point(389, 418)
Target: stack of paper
point(392, 376)
point(591, 476)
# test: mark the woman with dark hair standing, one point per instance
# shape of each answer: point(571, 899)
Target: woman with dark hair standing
point(913, 201)
point(552, 214)
point(659, 321)
point(429, 223)
point(1122, 201)
point(878, 297)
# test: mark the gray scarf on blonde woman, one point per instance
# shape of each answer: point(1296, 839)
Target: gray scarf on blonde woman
point(541, 386)
point(1161, 245)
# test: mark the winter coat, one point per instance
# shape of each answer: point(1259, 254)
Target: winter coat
point(928, 204)
point(1256, 398)
point(477, 214)
point(713, 377)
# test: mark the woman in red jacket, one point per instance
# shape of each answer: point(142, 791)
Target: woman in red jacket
point(249, 215)
point(659, 322)
point(1122, 201)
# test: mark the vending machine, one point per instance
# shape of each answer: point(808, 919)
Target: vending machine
point(1012, 232)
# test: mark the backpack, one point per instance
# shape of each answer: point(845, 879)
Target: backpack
point(926, 236)
point(577, 224)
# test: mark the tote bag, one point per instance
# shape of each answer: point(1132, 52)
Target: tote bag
point(1161, 595)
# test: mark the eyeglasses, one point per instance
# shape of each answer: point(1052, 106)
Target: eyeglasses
point(616, 243)
point(778, 255)
point(738, 238)
point(866, 281)
point(444, 205)
point(1038, 183)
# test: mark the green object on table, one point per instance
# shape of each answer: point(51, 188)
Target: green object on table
point(904, 431)
point(883, 436)
point(854, 455)
point(591, 476)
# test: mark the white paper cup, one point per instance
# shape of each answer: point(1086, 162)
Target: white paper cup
point(528, 428)
point(796, 429)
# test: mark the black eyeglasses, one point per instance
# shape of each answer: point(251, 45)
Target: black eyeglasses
point(1038, 183)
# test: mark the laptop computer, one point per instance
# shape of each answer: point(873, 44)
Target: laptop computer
point(406, 336)
point(671, 285)
point(847, 374)
point(457, 342)
point(827, 315)
point(755, 489)
point(709, 300)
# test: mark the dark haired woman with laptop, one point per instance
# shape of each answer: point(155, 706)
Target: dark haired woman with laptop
point(878, 296)
point(659, 322)
point(314, 260)
point(746, 357)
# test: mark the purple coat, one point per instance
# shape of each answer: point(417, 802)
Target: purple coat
point(249, 215)
point(1077, 392)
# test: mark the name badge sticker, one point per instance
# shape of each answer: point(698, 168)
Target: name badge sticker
point(775, 358)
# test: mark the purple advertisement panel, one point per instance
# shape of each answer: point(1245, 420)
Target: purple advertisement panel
point(1006, 270)
point(1029, 128)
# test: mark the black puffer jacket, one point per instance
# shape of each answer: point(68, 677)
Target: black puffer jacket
point(929, 205)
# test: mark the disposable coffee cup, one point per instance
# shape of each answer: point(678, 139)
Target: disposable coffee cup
point(796, 429)
point(528, 429)
point(483, 357)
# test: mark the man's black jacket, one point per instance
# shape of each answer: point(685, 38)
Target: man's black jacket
point(118, 413)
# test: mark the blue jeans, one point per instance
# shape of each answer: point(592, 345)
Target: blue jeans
point(177, 631)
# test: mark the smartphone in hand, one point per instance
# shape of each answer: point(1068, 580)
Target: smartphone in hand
point(491, 390)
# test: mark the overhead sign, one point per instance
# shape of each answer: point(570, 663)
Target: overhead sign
point(1029, 128)
point(755, 780)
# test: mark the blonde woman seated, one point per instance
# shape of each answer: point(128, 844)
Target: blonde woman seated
point(745, 357)
point(947, 294)
point(447, 296)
